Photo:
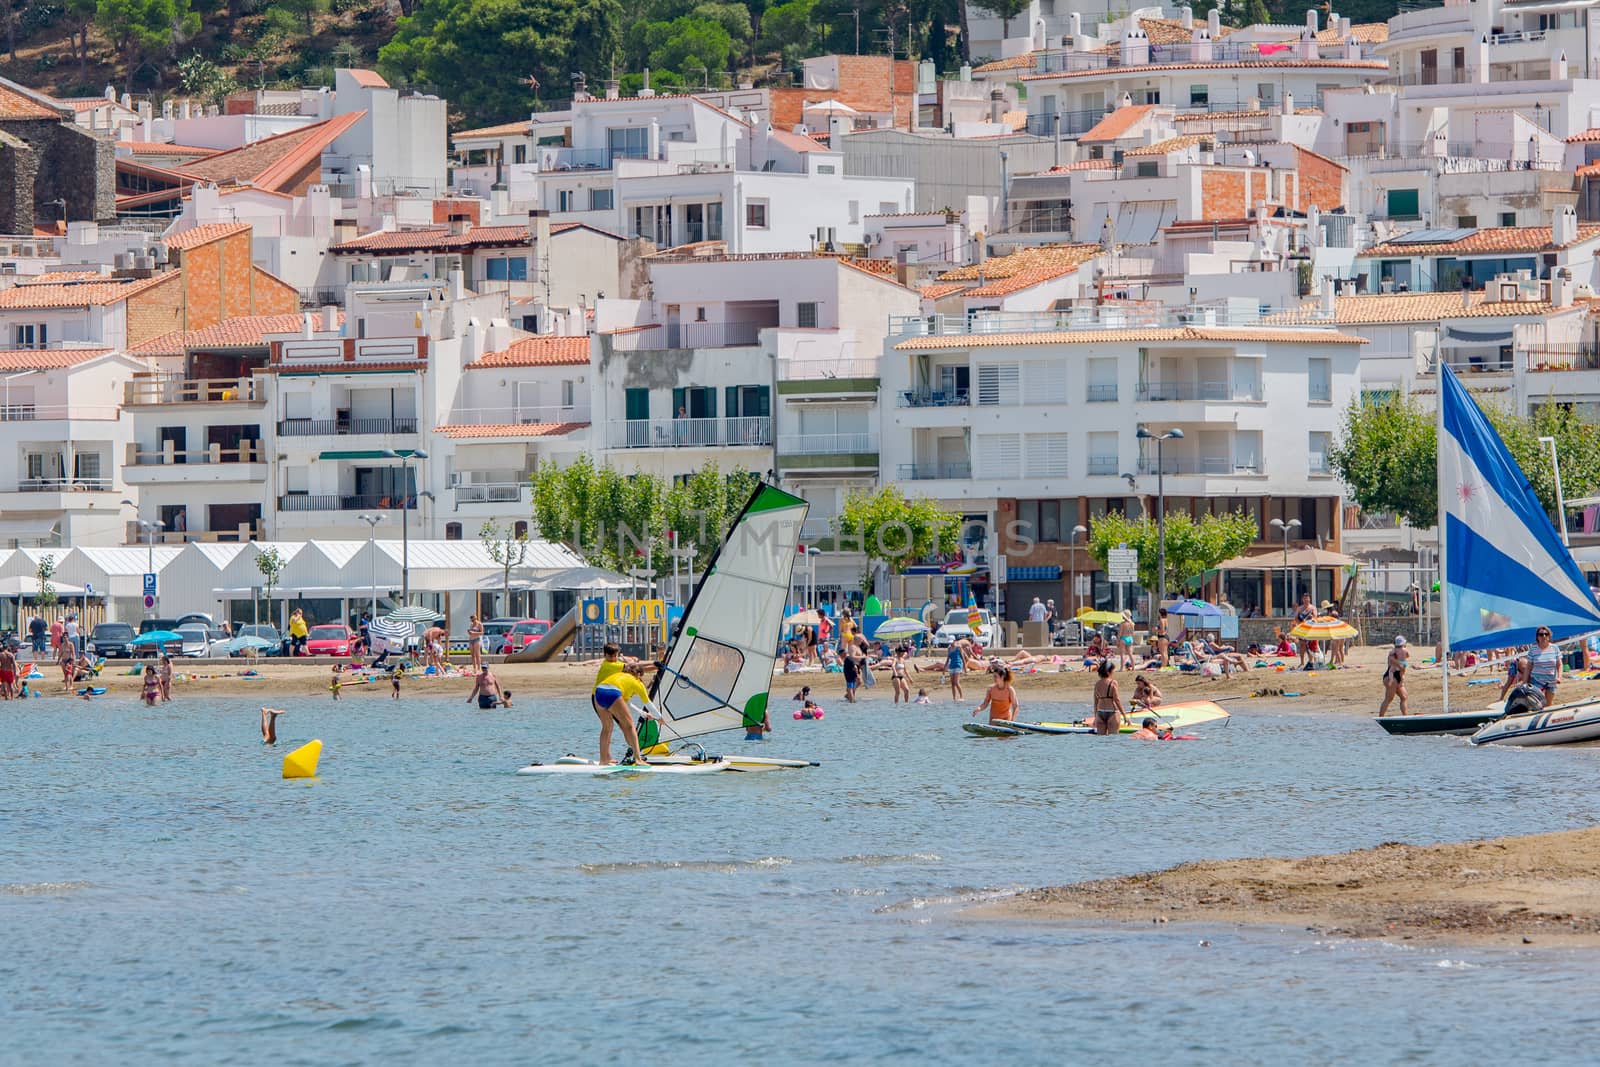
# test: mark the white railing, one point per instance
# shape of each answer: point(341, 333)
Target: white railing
point(171, 389)
point(246, 452)
point(25, 412)
point(691, 433)
point(807, 370)
point(491, 492)
point(64, 485)
point(826, 444)
point(1090, 317)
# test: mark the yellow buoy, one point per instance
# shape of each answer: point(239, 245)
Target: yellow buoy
point(302, 762)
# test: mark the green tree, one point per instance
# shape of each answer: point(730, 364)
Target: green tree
point(1192, 547)
point(507, 548)
point(483, 53)
point(1005, 11)
point(895, 529)
point(1256, 13)
point(687, 44)
point(44, 572)
point(1387, 455)
point(270, 563)
point(199, 76)
point(143, 29)
point(787, 28)
point(306, 9)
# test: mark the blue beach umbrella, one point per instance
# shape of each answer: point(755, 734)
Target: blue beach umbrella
point(158, 637)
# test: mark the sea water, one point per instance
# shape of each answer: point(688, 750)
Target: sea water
point(166, 896)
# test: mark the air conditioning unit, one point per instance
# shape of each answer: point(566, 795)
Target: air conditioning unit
point(467, 190)
point(29, 250)
point(455, 479)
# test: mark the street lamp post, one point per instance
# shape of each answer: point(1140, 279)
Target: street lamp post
point(1176, 433)
point(405, 519)
point(372, 552)
point(1073, 567)
point(150, 527)
point(811, 566)
point(1286, 527)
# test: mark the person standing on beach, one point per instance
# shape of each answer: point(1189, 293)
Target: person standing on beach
point(56, 630)
point(38, 633)
point(1394, 676)
point(955, 662)
point(164, 678)
point(151, 691)
point(1305, 613)
point(475, 643)
point(298, 631)
point(1544, 665)
point(1109, 714)
point(897, 672)
point(8, 673)
point(1125, 640)
point(67, 660)
point(851, 658)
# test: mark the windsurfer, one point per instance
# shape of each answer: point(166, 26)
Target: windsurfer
point(610, 701)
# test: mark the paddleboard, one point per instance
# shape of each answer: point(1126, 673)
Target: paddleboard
point(1181, 714)
point(737, 762)
point(987, 729)
point(1051, 727)
point(595, 770)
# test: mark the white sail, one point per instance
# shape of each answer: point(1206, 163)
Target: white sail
point(719, 668)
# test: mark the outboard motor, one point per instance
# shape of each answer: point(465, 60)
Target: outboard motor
point(1525, 699)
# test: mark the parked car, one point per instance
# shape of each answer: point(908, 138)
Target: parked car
point(197, 618)
point(523, 634)
point(196, 639)
point(265, 631)
point(494, 634)
point(328, 639)
point(955, 625)
point(146, 625)
point(111, 640)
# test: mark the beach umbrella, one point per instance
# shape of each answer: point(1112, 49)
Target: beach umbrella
point(158, 637)
point(413, 614)
point(1196, 609)
point(803, 618)
point(893, 628)
point(1098, 618)
point(1324, 628)
point(249, 643)
point(393, 629)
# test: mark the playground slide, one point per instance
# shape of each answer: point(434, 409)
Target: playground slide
point(550, 645)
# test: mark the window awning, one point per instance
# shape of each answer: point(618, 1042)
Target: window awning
point(367, 453)
point(1481, 337)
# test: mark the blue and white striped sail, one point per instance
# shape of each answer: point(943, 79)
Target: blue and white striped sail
point(1506, 571)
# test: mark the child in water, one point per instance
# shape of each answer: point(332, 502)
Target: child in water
point(809, 709)
point(269, 725)
point(922, 697)
point(152, 686)
point(333, 686)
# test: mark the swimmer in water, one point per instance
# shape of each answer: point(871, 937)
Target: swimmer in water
point(269, 725)
point(1001, 699)
point(922, 697)
point(610, 701)
point(1147, 731)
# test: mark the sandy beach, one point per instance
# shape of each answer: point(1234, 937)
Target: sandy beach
point(1354, 690)
point(1541, 889)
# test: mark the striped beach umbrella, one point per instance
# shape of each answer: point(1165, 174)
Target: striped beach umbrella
point(1324, 628)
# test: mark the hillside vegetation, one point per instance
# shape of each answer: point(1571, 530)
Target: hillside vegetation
point(493, 59)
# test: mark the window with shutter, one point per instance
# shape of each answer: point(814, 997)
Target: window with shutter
point(1046, 383)
point(999, 455)
point(1047, 455)
point(999, 383)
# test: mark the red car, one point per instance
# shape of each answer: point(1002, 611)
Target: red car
point(523, 634)
point(328, 640)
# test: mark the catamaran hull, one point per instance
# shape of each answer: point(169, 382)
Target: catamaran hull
point(1565, 724)
point(1457, 723)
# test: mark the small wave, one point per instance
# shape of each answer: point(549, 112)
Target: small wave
point(715, 866)
point(368, 1022)
point(36, 889)
point(959, 895)
point(1457, 965)
point(879, 861)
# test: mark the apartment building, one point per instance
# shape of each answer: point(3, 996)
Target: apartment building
point(1452, 258)
point(1000, 414)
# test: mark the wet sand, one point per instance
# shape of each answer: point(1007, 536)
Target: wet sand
point(1541, 889)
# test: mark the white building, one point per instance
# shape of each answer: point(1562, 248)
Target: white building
point(400, 144)
point(997, 411)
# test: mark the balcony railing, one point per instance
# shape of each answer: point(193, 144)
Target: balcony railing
point(246, 452)
point(1198, 465)
point(1319, 463)
point(1102, 394)
point(826, 444)
point(935, 398)
point(1562, 357)
point(520, 414)
point(64, 485)
point(344, 427)
point(1223, 391)
point(174, 390)
point(560, 159)
point(692, 433)
point(689, 335)
point(1103, 465)
point(338, 502)
point(491, 492)
point(807, 370)
point(244, 532)
point(27, 412)
point(924, 472)
point(1111, 317)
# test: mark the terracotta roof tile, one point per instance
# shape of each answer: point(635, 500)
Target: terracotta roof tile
point(1373, 309)
point(1116, 124)
point(241, 331)
point(1095, 337)
point(1021, 62)
point(1485, 242)
point(1363, 32)
point(1055, 259)
point(367, 79)
point(272, 161)
point(439, 238)
point(77, 293)
point(1587, 136)
point(938, 290)
point(165, 148)
point(204, 234)
point(1259, 64)
point(511, 429)
point(1082, 164)
point(536, 352)
point(47, 359)
point(20, 102)
point(794, 142)
point(1171, 144)
point(509, 129)
point(1171, 31)
point(52, 276)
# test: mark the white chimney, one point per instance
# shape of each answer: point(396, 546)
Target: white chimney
point(110, 93)
point(1480, 72)
point(458, 284)
point(613, 90)
point(1558, 68)
point(1186, 17)
point(1564, 226)
point(460, 225)
point(1075, 25)
point(997, 105)
point(1311, 21)
point(1329, 294)
point(1561, 291)
point(306, 329)
point(1288, 103)
point(1135, 47)
point(1126, 101)
point(645, 92)
point(539, 231)
point(1214, 23)
point(330, 318)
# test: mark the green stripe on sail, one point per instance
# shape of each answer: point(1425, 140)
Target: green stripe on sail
point(771, 498)
point(755, 710)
